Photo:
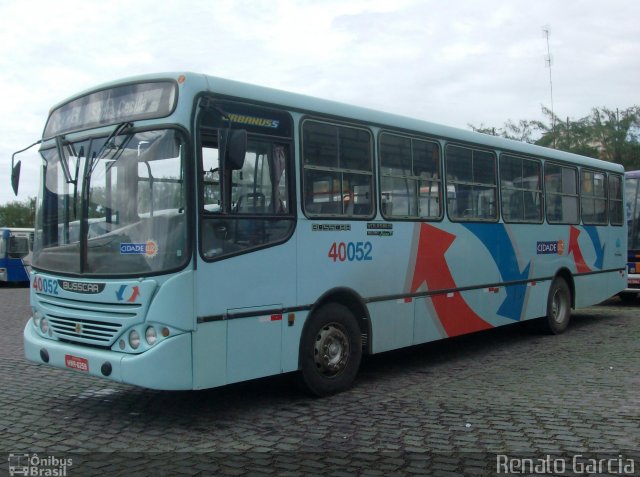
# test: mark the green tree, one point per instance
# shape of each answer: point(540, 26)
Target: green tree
point(604, 134)
point(572, 136)
point(18, 214)
point(523, 130)
point(617, 132)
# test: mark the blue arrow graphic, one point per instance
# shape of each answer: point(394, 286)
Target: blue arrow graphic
point(592, 231)
point(496, 239)
point(120, 292)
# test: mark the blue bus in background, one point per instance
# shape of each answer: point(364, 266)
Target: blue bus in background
point(632, 199)
point(15, 254)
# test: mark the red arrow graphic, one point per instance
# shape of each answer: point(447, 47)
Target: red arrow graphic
point(574, 248)
point(134, 295)
point(431, 268)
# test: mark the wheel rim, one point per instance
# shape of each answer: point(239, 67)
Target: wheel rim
point(558, 306)
point(331, 350)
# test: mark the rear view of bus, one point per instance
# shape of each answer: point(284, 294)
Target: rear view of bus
point(632, 196)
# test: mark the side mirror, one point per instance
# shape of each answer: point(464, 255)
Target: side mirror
point(236, 148)
point(15, 177)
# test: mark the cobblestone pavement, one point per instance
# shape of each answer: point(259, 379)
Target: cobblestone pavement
point(441, 409)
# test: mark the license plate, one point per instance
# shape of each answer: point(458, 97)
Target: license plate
point(73, 362)
point(634, 281)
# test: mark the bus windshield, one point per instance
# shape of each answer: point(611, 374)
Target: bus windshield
point(18, 247)
point(113, 205)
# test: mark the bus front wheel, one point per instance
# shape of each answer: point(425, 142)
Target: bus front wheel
point(330, 350)
point(558, 307)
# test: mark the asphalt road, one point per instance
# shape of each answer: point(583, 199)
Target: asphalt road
point(447, 408)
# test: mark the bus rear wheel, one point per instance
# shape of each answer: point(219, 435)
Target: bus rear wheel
point(558, 307)
point(330, 350)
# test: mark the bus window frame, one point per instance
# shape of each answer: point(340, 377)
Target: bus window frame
point(440, 181)
point(537, 191)
point(332, 170)
point(496, 186)
point(621, 200)
point(576, 170)
point(594, 198)
point(203, 215)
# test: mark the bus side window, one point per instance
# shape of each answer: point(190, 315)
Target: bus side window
point(616, 214)
point(473, 174)
point(561, 185)
point(593, 197)
point(338, 170)
point(521, 186)
point(410, 177)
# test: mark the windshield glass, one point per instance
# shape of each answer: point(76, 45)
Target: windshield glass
point(130, 189)
point(18, 247)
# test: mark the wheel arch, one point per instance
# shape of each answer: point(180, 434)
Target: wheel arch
point(355, 304)
point(567, 276)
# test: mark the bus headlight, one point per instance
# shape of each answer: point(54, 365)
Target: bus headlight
point(44, 326)
point(151, 336)
point(37, 317)
point(134, 339)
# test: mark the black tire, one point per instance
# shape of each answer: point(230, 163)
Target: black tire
point(628, 297)
point(330, 350)
point(558, 307)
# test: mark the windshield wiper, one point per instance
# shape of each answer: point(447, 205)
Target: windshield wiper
point(63, 160)
point(110, 143)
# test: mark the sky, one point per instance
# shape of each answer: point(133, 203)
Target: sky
point(455, 62)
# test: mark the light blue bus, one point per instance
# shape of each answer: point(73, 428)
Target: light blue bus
point(193, 232)
point(15, 254)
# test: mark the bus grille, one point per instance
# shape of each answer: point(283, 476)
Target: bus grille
point(89, 324)
point(85, 331)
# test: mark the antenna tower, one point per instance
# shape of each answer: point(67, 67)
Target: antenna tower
point(546, 30)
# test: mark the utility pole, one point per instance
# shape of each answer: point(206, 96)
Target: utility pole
point(546, 32)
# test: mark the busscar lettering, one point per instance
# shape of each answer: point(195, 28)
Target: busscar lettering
point(331, 227)
point(81, 287)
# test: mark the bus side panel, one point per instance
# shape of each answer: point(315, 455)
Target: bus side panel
point(248, 293)
point(372, 263)
point(254, 347)
point(392, 323)
point(447, 260)
point(291, 332)
point(16, 271)
point(210, 355)
point(616, 258)
point(535, 300)
point(427, 325)
point(339, 254)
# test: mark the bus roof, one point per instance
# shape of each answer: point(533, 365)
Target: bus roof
point(310, 105)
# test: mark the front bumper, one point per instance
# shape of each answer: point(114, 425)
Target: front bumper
point(633, 283)
point(166, 366)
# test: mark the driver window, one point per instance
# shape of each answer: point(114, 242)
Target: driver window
point(259, 212)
